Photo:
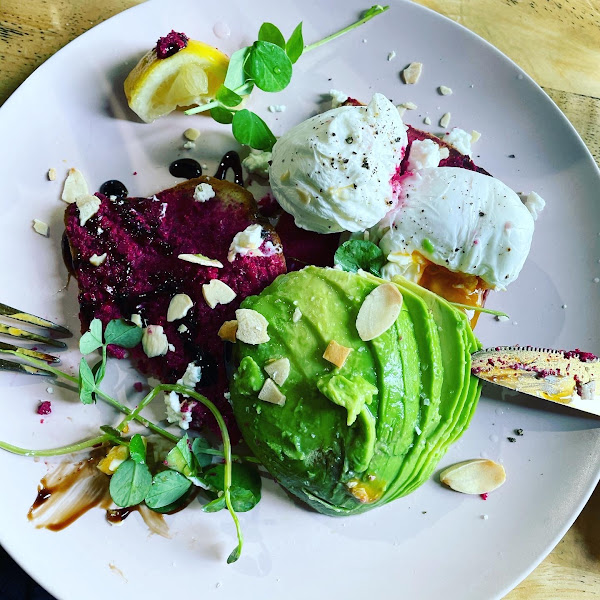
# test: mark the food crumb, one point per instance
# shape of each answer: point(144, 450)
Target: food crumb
point(512, 440)
point(412, 73)
point(44, 408)
point(427, 121)
point(40, 227)
point(50, 390)
point(501, 318)
point(51, 174)
point(564, 306)
point(191, 134)
point(519, 432)
point(138, 386)
point(189, 145)
point(277, 108)
point(596, 280)
point(484, 517)
point(484, 496)
point(444, 90)
point(511, 156)
point(445, 120)
point(391, 56)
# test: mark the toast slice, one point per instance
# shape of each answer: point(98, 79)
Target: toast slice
point(138, 242)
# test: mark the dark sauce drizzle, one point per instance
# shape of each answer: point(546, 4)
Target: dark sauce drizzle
point(114, 187)
point(186, 168)
point(231, 160)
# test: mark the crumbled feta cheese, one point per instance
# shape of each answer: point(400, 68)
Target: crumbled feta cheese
point(445, 120)
point(459, 139)
point(297, 315)
point(154, 341)
point(418, 430)
point(189, 145)
point(177, 411)
point(425, 154)
point(277, 108)
point(75, 187)
point(247, 242)
point(41, 227)
point(445, 90)
point(258, 162)
point(204, 192)
point(192, 375)
point(401, 110)
point(171, 347)
point(98, 260)
point(178, 307)
point(50, 390)
point(136, 320)
point(391, 56)
point(51, 174)
point(337, 98)
point(216, 292)
point(191, 134)
point(535, 204)
point(88, 206)
point(412, 73)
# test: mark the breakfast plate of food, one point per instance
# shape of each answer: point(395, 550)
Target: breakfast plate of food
point(282, 238)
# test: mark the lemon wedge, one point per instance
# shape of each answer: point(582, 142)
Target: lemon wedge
point(157, 86)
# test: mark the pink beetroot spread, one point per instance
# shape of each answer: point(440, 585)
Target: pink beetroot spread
point(45, 408)
point(142, 238)
point(170, 44)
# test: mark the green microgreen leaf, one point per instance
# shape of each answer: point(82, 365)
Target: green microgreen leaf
point(221, 115)
point(245, 485)
point(228, 97)
point(235, 554)
point(375, 10)
point(121, 333)
point(250, 129)
point(236, 73)
point(87, 383)
point(359, 254)
point(202, 458)
point(295, 45)
point(181, 459)
point(92, 339)
point(215, 505)
point(137, 449)
point(269, 66)
point(115, 434)
point(130, 483)
point(270, 33)
point(167, 487)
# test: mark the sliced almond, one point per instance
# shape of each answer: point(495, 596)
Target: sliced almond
point(136, 319)
point(412, 73)
point(41, 227)
point(336, 353)
point(445, 120)
point(217, 292)
point(182, 328)
point(445, 90)
point(191, 134)
point(475, 135)
point(75, 187)
point(154, 341)
point(252, 326)
point(270, 393)
point(228, 331)
point(98, 260)
point(178, 307)
point(379, 311)
point(476, 476)
point(200, 259)
point(51, 174)
point(278, 370)
point(88, 206)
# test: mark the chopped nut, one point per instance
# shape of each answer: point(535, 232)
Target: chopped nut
point(178, 307)
point(75, 187)
point(41, 227)
point(445, 90)
point(98, 260)
point(200, 259)
point(136, 320)
point(427, 121)
point(445, 120)
point(270, 393)
point(88, 206)
point(51, 174)
point(228, 331)
point(408, 105)
point(182, 328)
point(412, 73)
point(379, 311)
point(477, 476)
point(154, 341)
point(252, 326)
point(297, 315)
point(217, 292)
point(336, 353)
point(278, 370)
point(191, 134)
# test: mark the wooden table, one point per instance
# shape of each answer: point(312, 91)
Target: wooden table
point(556, 41)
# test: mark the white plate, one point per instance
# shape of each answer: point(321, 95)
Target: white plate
point(432, 544)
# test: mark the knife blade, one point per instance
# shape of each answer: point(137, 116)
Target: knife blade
point(567, 377)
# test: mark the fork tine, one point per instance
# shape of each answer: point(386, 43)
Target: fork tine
point(16, 350)
point(27, 335)
point(13, 313)
point(7, 365)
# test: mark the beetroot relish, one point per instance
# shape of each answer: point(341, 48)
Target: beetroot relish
point(171, 44)
point(45, 408)
point(142, 238)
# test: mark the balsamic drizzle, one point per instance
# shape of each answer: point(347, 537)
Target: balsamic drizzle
point(231, 160)
point(114, 187)
point(186, 168)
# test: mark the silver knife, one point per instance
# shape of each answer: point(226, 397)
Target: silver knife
point(568, 377)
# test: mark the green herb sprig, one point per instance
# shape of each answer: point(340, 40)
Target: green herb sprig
point(189, 463)
point(268, 65)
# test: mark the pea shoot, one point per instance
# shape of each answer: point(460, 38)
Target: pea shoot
point(268, 65)
point(168, 484)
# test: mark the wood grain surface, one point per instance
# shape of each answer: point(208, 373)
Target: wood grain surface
point(557, 42)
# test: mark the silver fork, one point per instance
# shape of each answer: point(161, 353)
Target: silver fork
point(22, 334)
